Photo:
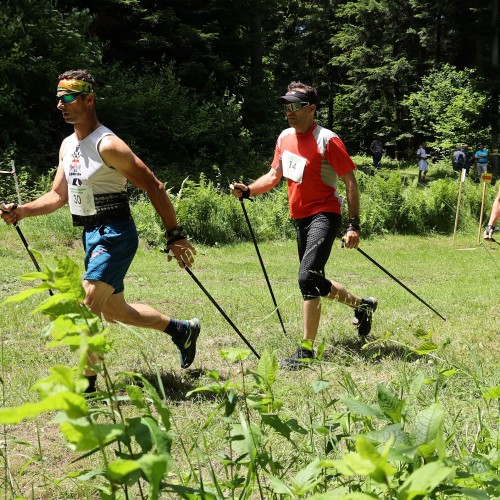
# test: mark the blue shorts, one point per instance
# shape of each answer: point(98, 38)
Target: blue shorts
point(109, 251)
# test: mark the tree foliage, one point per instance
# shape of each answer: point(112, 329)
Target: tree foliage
point(192, 84)
point(445, 106)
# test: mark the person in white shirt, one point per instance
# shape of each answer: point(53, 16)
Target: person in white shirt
point(423, 165)
point(94, 167)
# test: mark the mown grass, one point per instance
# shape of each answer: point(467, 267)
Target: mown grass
point(460, 281)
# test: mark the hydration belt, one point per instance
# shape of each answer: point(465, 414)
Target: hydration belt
point(110, 207)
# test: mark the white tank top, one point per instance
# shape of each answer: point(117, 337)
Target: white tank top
point(87, 174)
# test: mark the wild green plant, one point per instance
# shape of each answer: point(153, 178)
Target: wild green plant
point(134, 450)
point(398, 443)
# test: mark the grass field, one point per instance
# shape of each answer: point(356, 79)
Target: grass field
point(461, 281)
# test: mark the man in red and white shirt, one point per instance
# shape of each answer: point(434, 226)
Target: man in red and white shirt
point(312, 158)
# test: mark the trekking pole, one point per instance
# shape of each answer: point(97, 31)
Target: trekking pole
point(23, 239)
point(219, 308)
point(399, 282)
point(261, 263)
point(396, 280)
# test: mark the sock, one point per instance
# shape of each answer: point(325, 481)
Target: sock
point(92, 380)
point(176, 327)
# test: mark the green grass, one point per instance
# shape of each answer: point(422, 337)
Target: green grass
point(460, 281)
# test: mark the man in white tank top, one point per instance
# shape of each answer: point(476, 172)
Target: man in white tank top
point(94, 167)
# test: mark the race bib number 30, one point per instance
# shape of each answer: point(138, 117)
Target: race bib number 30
point(293, 166)
point(81, 200)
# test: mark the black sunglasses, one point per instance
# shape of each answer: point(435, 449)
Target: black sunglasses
point(68, 98)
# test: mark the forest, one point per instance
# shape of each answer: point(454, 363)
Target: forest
point(191, 85)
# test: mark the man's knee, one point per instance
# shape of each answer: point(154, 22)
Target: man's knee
point(96, 296)
point(313, 284)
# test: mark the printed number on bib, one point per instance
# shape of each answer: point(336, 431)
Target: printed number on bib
point(293, 166)
point(81, 200)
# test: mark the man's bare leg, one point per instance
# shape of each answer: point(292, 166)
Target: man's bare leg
point(311, 312)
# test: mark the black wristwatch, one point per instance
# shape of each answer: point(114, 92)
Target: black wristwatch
point(176, 231)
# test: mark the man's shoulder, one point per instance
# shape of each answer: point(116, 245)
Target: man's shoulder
point(287, 131)
point(324, 133)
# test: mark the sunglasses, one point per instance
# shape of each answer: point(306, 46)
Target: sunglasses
point(295, 106)
point(68, 98)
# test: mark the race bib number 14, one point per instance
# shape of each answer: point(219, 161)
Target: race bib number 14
point(293, 166)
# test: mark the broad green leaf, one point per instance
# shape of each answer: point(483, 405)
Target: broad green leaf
point(96, 343)
point(366, 462)
point(391, 431)
point(424, 480)
point(307, 478)
point(493, 393)
point(476, 494)
point(416, 384)
point(160, 438)
point(267, 367)
point(73, 324)
point(68, 278)
point(230, 403)
point(154, 468)
point(84, 436)
point(245, 439)
point(279, 487)
point(235, 354)
point(448, 372)
point(57, 302)
point(160, 406)
point(63, 375)
point(25, 294)
point(389, 403)
point(82, 475)
point(73, 404)
point(121, 468)
point(320, 385)
point(277, 424)
point(382, 469)
point(426, 348)
point(320, 351)
point(428, 424)
point(136, 397)
point(362, 409)
point(35, 275)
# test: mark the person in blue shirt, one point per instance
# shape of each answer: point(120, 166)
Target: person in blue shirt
point(481, 157)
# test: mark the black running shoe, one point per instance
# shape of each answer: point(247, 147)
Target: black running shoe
point(187, 343)
point(363, 316)
point(298, 360)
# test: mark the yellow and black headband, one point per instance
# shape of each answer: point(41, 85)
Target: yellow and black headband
point(75, 86)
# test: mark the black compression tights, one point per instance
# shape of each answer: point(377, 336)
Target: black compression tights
point(315, 237)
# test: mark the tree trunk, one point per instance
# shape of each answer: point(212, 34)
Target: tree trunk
point(495, 128)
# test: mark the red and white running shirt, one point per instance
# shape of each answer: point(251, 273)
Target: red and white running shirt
point(312, 163)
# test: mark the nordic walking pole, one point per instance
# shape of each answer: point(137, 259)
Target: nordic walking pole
point(261, 263)
point(462, 179)
point(399, 282)
point(219, 308)
point(23, 239)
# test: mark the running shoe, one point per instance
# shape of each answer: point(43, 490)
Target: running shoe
point(363, 316)
point(298, 360)
point(187, 343)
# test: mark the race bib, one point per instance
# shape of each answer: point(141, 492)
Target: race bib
point(293, 166)
point(81, 200)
